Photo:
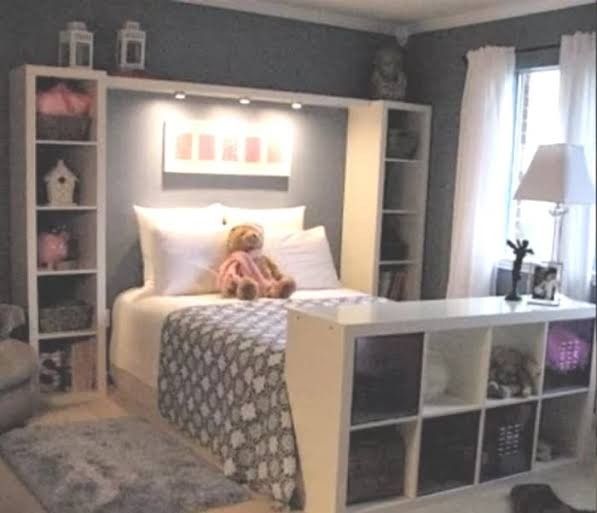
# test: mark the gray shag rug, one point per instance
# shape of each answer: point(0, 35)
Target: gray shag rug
point(114, 466)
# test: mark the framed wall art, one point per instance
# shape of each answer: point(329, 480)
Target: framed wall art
point(228, 147)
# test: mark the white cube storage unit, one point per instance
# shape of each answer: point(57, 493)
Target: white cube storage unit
point(370, 436)
point(75, 290)
point(385, 196)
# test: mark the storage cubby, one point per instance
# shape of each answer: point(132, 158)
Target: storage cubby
point(448, 452)
point(401, 182)
point(387, 373)
point(84, 128)
point(405, 134)
point(568, 355)
point(82, 236)
point(66, 300)
point(560, 428)
point(397, 281)
point(508, 438)
point(79, 159)
point(527, 342)
point(399, 237)
point(455, 370)
point(67, 365)
point(380, 462)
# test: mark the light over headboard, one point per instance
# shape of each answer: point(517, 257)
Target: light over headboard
point(135, 126)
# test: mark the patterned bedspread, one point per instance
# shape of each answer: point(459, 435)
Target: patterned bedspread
point(221, 380)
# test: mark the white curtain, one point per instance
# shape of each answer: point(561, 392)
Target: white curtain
point(483, 171)
point(577, 111)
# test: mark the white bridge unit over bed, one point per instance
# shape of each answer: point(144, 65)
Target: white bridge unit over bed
point(370, 436)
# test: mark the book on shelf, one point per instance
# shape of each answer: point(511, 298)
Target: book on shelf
point(392, 284)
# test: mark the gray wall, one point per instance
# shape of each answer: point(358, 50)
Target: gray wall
point(134, 163)
point(184, 42)
point(436, 75)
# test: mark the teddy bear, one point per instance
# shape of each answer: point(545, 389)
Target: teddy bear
point(511, 374)
point(247, 273)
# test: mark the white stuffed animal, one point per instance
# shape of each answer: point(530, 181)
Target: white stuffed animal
point(438, 375)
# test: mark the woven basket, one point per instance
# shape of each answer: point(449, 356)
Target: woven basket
point(71, 316)
point(70, 128)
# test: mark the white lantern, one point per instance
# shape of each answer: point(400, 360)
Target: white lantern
point(131, 46)
point(76, 46)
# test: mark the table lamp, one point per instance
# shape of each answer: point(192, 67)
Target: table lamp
point(557, 174)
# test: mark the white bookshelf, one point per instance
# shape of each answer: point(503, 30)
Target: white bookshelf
point(385, 200)
point(31, 158)
point(450, 443)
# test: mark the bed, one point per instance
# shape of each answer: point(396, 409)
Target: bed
point(215, 367)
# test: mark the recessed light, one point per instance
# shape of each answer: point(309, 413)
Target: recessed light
point(180, 95)
point(244, 101)
point(296, 105)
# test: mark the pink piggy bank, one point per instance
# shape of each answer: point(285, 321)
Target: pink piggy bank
point(52, 248)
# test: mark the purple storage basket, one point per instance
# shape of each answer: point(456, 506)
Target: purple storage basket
point(566, 351)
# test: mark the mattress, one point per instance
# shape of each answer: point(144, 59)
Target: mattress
point(138, 317)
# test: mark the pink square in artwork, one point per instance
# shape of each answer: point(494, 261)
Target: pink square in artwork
point(252, 149)
point(207, 147)
point(275, 152)
point(184, 146)
point(230, 152)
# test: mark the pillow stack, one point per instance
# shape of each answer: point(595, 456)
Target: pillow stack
point(183, 248)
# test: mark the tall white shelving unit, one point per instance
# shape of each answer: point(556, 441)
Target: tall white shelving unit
point(385, 199)
point(31, 158)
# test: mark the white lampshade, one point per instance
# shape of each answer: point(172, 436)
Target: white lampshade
point(558, 173)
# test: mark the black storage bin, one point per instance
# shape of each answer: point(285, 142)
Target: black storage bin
point(387, 372)
point(448, 452)
point(508, 441)
point(376, 464)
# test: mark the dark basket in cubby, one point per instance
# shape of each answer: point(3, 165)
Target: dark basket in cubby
point(65, 316)
point(508, 441)
point(376, 465)
point(569, 354)
point(63, 128)
point(387, 373)
point(448, 452)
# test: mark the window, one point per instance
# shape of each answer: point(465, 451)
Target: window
point(537, 122)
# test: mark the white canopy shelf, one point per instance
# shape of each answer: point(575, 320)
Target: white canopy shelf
point(229, 92)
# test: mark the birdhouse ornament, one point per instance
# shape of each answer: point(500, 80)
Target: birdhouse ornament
point(60, 185)
point(131, 47)
point(75, 47)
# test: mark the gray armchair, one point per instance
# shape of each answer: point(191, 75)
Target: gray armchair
point(18, 369)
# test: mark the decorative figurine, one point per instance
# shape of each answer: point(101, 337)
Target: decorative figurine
point(521, 249)
point(75, 46)
point(388, 81)
point(60, 185)
point(131, 47)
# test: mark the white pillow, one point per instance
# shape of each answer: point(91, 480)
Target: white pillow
point(187, 262)
point(170, 219)
point(306, 257)
point(272, 220)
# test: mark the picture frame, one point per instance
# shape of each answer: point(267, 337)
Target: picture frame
point(546, 284)
point(228, 147)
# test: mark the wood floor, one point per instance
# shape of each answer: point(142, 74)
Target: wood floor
point(575, 484)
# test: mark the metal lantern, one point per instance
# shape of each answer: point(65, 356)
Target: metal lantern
point(76, 46)
point(131, 46)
